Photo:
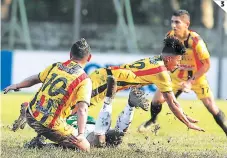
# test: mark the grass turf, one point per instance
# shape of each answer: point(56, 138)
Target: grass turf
point(172, 140)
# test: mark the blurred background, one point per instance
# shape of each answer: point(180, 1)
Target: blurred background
point(42, 31)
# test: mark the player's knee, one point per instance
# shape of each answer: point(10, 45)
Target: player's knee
point(83, 145)
point(158, 97)
point(158, 100)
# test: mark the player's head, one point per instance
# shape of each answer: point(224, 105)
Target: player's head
point(80, 51)
point(172, 52)
point(180, 22)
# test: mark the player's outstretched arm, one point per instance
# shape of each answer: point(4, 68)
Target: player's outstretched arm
point(178, 112)
point(28, 82)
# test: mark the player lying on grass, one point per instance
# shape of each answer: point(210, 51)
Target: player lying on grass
point(143, 72)
point(66, 90)
point(191, 72)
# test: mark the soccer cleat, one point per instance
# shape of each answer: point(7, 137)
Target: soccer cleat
point(21, 121)
point(145, 104)
point(36, 142)
point(147, 126)
point(111, 86)
point(138, 99)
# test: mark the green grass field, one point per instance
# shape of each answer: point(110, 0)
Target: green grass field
point(172, 140)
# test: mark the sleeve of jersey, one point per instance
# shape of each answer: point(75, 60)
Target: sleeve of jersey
point(163, 82)
point(83, 93)
point(45, 72)
point(202, 50)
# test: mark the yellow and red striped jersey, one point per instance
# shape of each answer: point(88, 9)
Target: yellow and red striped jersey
point(64, 84)
point(142, 72)
point(150, 71)
point(196, 51)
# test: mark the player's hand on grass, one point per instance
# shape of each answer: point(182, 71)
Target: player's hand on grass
point(195, 127)
point(76, 139)
point(11, 87)
point(80, 137)
point(80, 141)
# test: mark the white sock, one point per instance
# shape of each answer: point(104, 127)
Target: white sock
point(125, 118)
point(103, 122)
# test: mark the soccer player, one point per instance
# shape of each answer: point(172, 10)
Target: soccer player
point(113, 137)
point(143, 72)
point(66, 90)
point(191, 72)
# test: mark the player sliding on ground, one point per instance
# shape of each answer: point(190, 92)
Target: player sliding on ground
point(190, 74)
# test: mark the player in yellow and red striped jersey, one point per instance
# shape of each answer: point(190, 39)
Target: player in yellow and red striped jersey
point(66, 90)
point(152, 70)
point(191, 73)
point(142, 72)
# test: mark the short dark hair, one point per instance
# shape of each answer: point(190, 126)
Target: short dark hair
point(181, 12)
point(173, 46)
point(80, 49)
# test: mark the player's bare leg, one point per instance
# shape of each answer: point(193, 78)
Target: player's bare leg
point(136, 99)
point(21, 121)
point(218, 115)
point(104, 120)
